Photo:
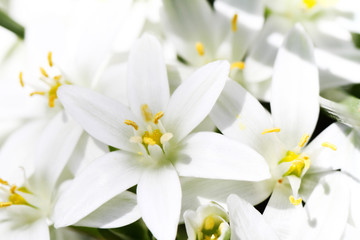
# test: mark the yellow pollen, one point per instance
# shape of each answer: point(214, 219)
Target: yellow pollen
point(12, 189)
point(43, 72)
point(131, 123)
point(240, 65)
point(200, 48)
point(21, 79)
point(294, 201)
point(52, 100)
point(3, 182)
point(303, 140)
point(209, 223)
point(157, 117)
point(50, 59)
point(57, 77)
point(309, 3)
point(270, 130)
point(233, 23)
point(37, 93)
point(147, 114)
point(329, 145)
point(149, 141)
point(5, 204)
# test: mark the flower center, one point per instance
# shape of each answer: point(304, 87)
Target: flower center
point(52, 83)
point(309, 3)
point(212, 227)
point(154, 134)
point(298, 163)
point(14, 198)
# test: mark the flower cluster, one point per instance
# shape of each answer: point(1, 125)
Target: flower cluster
point(179, 119)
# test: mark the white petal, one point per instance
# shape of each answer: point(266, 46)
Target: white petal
point(147, 78)
point(190, 224)
point(295, 88)
point(159, 199)
point(56, 145)
point(240, 116)
point(20, 230)
point(117, 212)
point(212, 155)
point(282, 216)
point(193, 99)
point(102, 117)
point(104, 178)
point(259, 63)
point(242, 218)
point(328, 209)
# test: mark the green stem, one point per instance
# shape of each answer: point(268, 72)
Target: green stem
point(11, 25)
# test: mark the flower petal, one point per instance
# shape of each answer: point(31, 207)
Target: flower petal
point(117, 212)
point(147, 77)
point(193, 99)
point(159, 199)
point(295, 88)
point(212, 155)
point(242, 218)
point(101, 117)
point(107, 176)
point(240, 116)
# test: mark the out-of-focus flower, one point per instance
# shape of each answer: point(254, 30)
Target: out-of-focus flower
point(328, 24)
point(152, 136)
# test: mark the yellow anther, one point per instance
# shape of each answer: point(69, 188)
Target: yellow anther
point(270, 130)
point(3, 182)
point(21, 79)
point(303, 140)
point(5, 204)
point(37, 93)
point(239, 65)
point(157, 117)
point(146, 113)
point(329, 145)
point(209, 223)
point(43, 72)
point(13, 188)
point(50, 59)
point(309, 3)
point(57, 77)
point(52, 101)
point(131, 123)
point(200, 48)
point(233, 23)
point(294, 201)
point(149, 141)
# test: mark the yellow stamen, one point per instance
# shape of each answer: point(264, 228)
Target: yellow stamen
point(200, 48)
point(57, 77)
point(303, 140)
point(131, 123)
point(270, 130)
point(37, 93)
point(12, 189)
point(3, 182)
point(239, 65)
point(147, 114)
point(294, 201)
point(17, 199)
point(43, 72)
point(309, 3)
point(52, 100)
point(149, 141)
point(233, 23)
point(21, 79)
point(209, 223)
point(5, 204)
point(157, 117)
point(329, 145)
point(50, 59)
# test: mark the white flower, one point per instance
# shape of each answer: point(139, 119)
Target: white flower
point(326, 21)
point(152, 138)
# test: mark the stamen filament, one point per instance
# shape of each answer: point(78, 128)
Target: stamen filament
point(37, 93)
point(200, 48)
point(131, 123)
point(329, 145)
point(233, 23)
point(157, 117)
point(240, 65)
point(270, 130)
point(43, 72)
point(303, 140)
point(294, 201)
point(50, 59)
point(57, 77)
point(21, 79)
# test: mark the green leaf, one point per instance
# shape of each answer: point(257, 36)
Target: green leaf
point(10, 24)
point(356, 39)
point(136, 230)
